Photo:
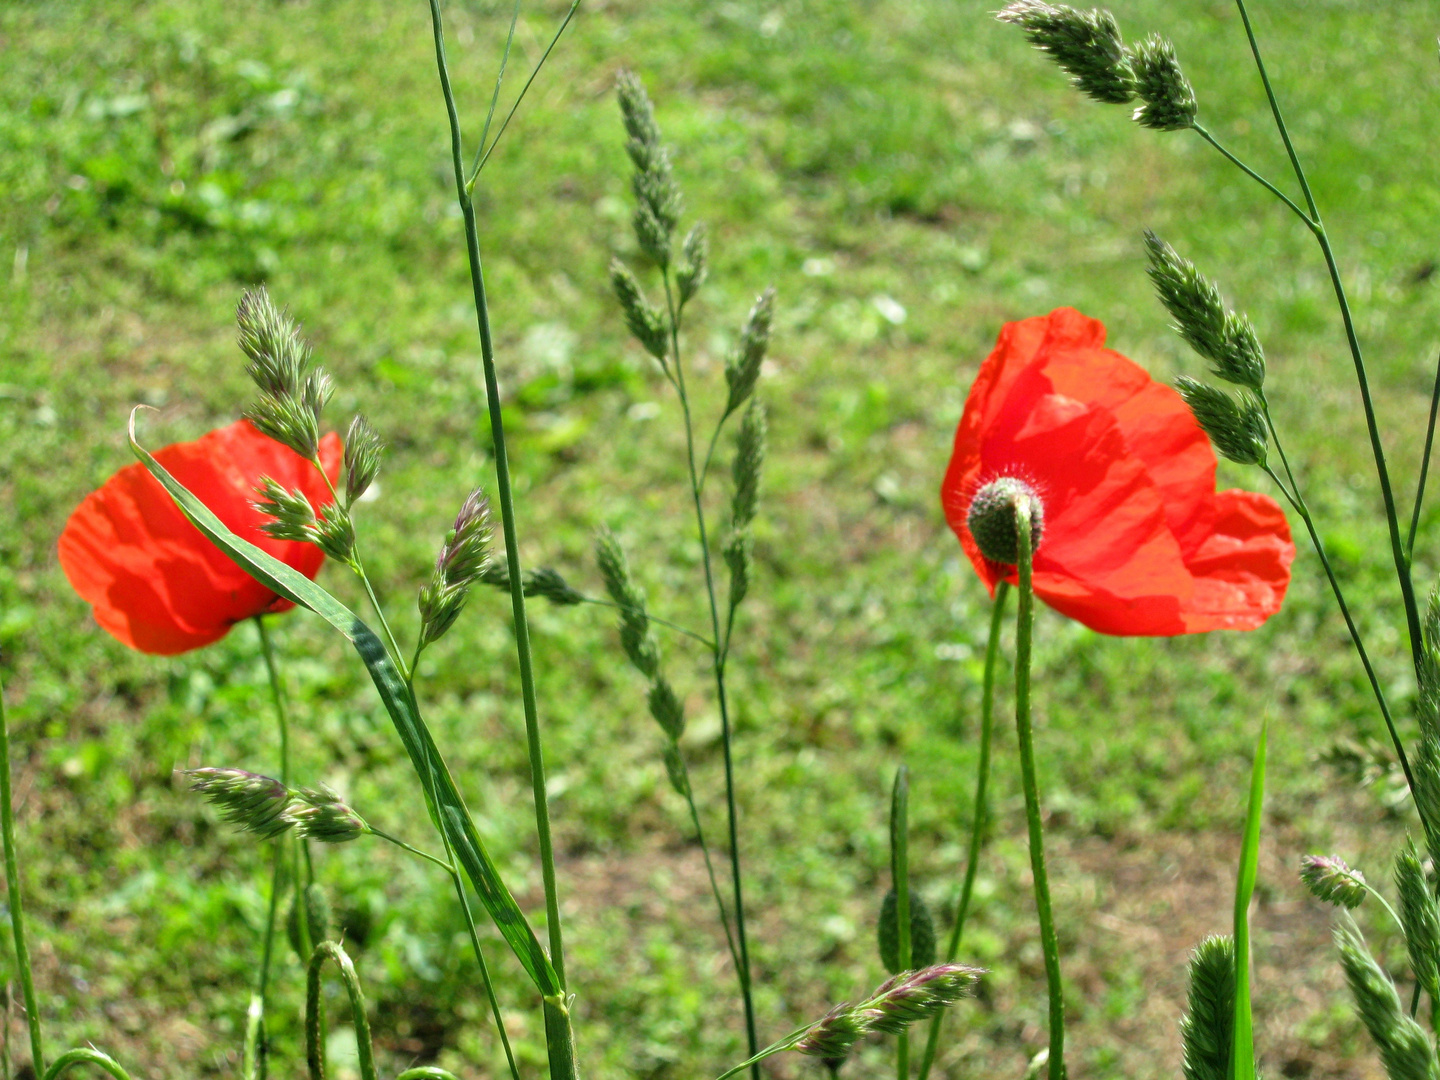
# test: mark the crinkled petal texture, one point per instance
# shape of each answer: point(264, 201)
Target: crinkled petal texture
point(1136, 539)
point(153, 579)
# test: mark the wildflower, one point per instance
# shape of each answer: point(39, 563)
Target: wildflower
point(155, 583)
point(1135, 538)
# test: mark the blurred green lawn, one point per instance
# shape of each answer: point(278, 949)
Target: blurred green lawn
point(909, 175)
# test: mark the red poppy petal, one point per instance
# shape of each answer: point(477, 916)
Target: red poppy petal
point(1158, 426)
point(155, 582)
point(1241, 559)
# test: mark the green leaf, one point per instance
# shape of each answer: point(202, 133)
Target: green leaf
point(1242, 1055)
point(446, 807)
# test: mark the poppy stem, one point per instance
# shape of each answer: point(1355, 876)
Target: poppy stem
point(1397, 545)
point(978, 821)
point(1025, 617)
point(16, 901)
point(720, 646)
point(559, 1034)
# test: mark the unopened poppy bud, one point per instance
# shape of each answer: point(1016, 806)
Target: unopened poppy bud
point(1169, 98)
point(643, 319)
point(1086, 44)
point(1224, 338)
point(994, 519)
point(742, 370)
point(363, 448)
point(1329, 879)
point(321, 815)
point(255, 803)
point(694, 264)
point(1236, 428)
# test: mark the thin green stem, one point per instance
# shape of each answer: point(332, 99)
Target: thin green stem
point(559, 1035)
point(900, 880)
point(330, 950)
point(1297, 502)
point(15, 897)
point(774, 1048)
point(701, 638)
point(485, 980)
point(718, 664)
point(495, 97)
point(1392, 519)
point(1049, 945)
point(1424, 463)
point(475, 173)
point(447, 867)
point(981, 813)
point(357, 566)
point(86, 1056)
point(710, 871)
point(1248, 171)
point(710, 451)
point(257, 1053)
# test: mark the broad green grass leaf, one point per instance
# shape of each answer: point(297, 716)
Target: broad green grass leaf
point(1242, 1056)
point(447, 809)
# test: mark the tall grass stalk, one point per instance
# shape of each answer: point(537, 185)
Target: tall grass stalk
point(559, 1034)
point(15, 898)
point(719, 654)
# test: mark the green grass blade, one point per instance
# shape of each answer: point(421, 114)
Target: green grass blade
point(447, 809)
point(1242, 1055)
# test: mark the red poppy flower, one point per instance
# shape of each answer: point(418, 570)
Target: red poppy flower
point(1135, 539)
point(155, 582)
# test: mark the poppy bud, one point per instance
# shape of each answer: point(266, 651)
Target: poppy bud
point(255, 803)
point(1169, 98)
point(1330, 879)
point(994, 519)
point(1086, 44)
